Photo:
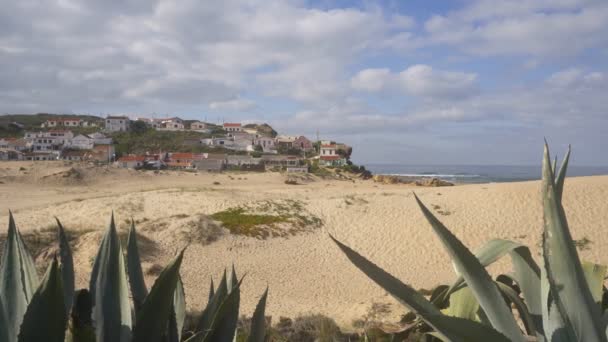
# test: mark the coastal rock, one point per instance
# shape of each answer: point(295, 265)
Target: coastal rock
point(433, 182)
point(384, 179)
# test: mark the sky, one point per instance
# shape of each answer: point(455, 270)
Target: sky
point(410, 82)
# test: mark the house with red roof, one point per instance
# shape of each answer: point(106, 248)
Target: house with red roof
point(131, 161)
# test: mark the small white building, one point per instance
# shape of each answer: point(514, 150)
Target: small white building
point(199, 126)
point(328, 150)
point(232, 127)
point(82, 142)
point(172, 124)
point(117, 124)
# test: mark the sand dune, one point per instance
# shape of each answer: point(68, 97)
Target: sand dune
point(306, 273)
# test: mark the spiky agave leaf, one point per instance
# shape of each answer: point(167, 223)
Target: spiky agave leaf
point(406, 295)
point(136, 275)
point(109, 291)
point(257, 332)
point(178, 312)
point(18, 279)
point(565, 274)
point(477, 278)
point(560, 177)
point(153, 317)
point(463, 304)
point(556, 326)
point(206, 319)
point(224, 323)
point(46, 316)
point(67, 267)
point(3, 324)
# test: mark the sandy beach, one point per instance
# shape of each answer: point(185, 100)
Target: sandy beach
point(306, 273)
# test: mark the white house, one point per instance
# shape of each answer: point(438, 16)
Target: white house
point(82, 142)
point(172, 124)
point(117, 124)
point(100, 139)
point(198, 126)
point(328, 150)
point(267, 143)
point(232, 127)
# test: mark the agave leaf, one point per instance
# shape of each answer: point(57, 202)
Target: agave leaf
point(477, 278)
point(467, 330)
point(211, 291)
point(232, 280)
point(3, 324)
point(258, 321)
point(561, 176)
point(405, 294)
point(564, 270)
point(556, 326)
point(46, 316)
point(463, 304)
point(178, 315)
point(595, 274)
point(110, 292)
point(521, 307)
point(136, 275)
point(223, 326)
point(204, 323)
point(18, 279)
point(554, 166)
point(153, 317)
point(67, 267)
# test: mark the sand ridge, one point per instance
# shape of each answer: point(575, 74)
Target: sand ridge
point(306, 273)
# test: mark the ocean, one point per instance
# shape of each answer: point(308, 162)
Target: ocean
point(478, 173)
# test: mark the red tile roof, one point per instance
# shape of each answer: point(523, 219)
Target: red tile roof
point(228, 124)
point(331, 157)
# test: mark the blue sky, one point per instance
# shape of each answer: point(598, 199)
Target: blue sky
point(419, 82)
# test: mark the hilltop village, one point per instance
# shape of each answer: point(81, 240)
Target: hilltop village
point(171, 143)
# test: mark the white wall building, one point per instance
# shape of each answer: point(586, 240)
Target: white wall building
point(117, 124)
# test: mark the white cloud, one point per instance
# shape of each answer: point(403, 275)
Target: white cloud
point(417, 80)
point(236, 105)
point(550, 29)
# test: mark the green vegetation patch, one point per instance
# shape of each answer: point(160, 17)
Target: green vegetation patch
point(268, 219)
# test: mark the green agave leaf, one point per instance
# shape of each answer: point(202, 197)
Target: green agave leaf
point(136, 275)
point(153, 317)
point(463, 304)
point(560, 178)
point(211, 291)
point(223, 326)
point(258, 321)
point(477, 278)
point(67, 267)
point(556, 326)
point(18, 279)
point(109, 291)
point(46, 316)
point(467, 330)
point(213, 306)
point(595, 275)
point(527, 274)
point(178, 314)
point(3, 324)
point(405, 294)
point(564, 270)
point(524, 313)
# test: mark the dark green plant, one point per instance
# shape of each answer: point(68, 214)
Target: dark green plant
point(32, 311)
point(559, 301)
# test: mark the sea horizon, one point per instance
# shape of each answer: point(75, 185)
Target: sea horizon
point(474, 174)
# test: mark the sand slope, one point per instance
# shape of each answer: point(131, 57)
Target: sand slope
point(306, 273)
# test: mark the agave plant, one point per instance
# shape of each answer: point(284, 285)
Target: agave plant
point(33, 310)
point(559, 301)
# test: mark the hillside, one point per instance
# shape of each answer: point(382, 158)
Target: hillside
point(33, 122)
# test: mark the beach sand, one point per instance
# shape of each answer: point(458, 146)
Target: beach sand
point(306, 273)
